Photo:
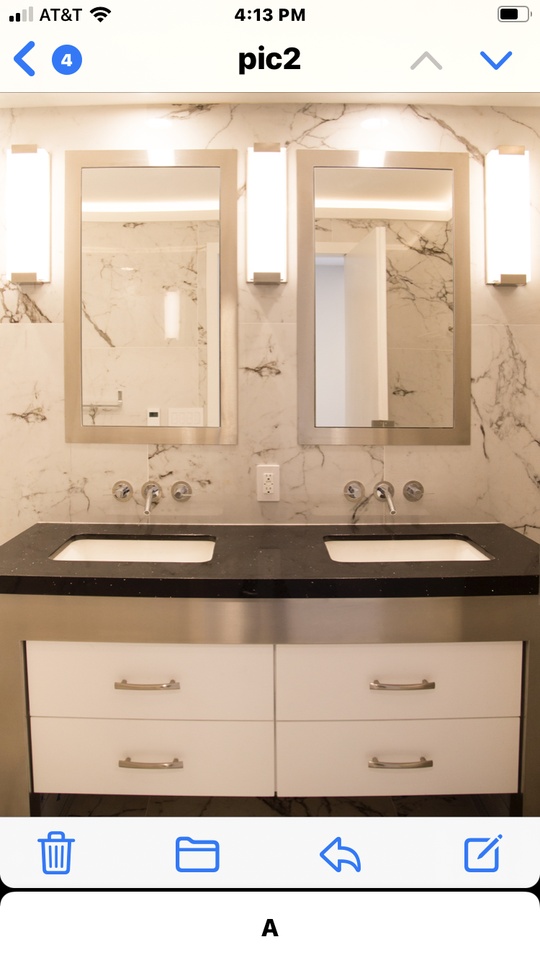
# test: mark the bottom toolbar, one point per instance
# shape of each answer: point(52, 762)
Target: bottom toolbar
point(263, 853)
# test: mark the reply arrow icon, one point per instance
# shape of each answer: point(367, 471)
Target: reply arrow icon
point(18, 58)
point(332, 856)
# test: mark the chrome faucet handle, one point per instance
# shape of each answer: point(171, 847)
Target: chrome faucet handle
point(122, 490)
point(181, 490)
point(354, 490)
point(152, 492)
point(413, 490)
point(385, 491)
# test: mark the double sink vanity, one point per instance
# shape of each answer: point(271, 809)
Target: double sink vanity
point(258, 660)
point(313, 660)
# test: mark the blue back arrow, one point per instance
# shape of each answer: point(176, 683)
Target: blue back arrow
point(351, 857)
point(18, 58)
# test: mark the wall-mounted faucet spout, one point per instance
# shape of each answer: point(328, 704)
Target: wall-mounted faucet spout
point(152, 493)
point(385, 491)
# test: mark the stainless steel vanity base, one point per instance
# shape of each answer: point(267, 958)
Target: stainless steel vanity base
point(311, 621)
point(196, 620)
point(15, 779)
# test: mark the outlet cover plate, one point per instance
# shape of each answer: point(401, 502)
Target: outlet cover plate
point(268, 477)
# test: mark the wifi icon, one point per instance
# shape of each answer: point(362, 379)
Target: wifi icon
point(100, 13)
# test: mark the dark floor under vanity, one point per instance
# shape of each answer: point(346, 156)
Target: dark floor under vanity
point(78, 805)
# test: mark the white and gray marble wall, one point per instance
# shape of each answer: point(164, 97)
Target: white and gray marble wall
point(419, 314)
point(420, 323)
point(126, 271)
point(496, 477)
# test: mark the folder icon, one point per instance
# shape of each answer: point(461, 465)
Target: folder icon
point(196, 856)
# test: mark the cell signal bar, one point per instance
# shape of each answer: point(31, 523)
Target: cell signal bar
point(24, 16)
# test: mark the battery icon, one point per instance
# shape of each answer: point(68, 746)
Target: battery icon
point(514, 14)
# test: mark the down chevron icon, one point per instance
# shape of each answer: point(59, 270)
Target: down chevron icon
point(492, 63)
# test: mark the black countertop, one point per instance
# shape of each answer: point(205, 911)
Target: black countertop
point(255, 561)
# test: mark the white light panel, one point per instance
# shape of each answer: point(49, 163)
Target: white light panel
point(172, 314)
point(508, 216)
point(28, 215)
point(267, 213)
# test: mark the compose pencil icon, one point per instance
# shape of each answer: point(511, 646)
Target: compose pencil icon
point(489, 847)
point(477, 850)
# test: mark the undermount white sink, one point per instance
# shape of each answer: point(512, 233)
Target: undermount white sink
point(133, 550)
point(402, 550)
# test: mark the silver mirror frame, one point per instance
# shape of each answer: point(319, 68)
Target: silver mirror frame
point(308, 433)
point(76, 432)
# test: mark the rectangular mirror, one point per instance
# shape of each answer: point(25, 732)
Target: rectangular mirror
point(150, 297)
point(383, 298)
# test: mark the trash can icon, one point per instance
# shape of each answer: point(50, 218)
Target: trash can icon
point(56, 852)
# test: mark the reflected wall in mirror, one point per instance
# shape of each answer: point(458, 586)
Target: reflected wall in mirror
point(149, 295)
point(151, 312)
point(384, 304)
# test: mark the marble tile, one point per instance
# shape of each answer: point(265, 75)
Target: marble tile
point(266, 303)
point(54, 804)
point(18, 303)
point(459, 806)
point(495, 478)
point(493, 805)
point(67, 805)
point(506, 393)
point(80, 805)
point(455, 479)
point(420, 387)
point(332, 806)
point(177, 806)
point(419, 312)
point(127, 271)
point(35, 483)
point(94, 468)
point(312, 478)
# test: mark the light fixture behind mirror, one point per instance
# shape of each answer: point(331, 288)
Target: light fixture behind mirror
point(383, 298)
point(150, 297)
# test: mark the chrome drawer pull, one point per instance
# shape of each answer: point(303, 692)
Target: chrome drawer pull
point(424, 685)
point(414, 765)
point(175, 764)
point(124, 685)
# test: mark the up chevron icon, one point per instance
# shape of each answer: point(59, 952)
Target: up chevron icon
point(492, 62)
point(423, 57)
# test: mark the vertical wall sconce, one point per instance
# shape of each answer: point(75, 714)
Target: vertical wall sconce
point(266, 213)
point(508, 216)
point(28, 221)
point(171, 314)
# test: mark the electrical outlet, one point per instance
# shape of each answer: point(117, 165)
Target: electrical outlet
point(268, 481)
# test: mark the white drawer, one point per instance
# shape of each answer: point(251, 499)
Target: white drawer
point(220, 758)
point(217, 682)
point(321, 759)
point(324, 682)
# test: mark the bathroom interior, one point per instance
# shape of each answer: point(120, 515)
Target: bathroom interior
point(258, 361)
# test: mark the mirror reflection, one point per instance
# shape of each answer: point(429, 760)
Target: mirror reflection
point(384, 297)
point(150, 316)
